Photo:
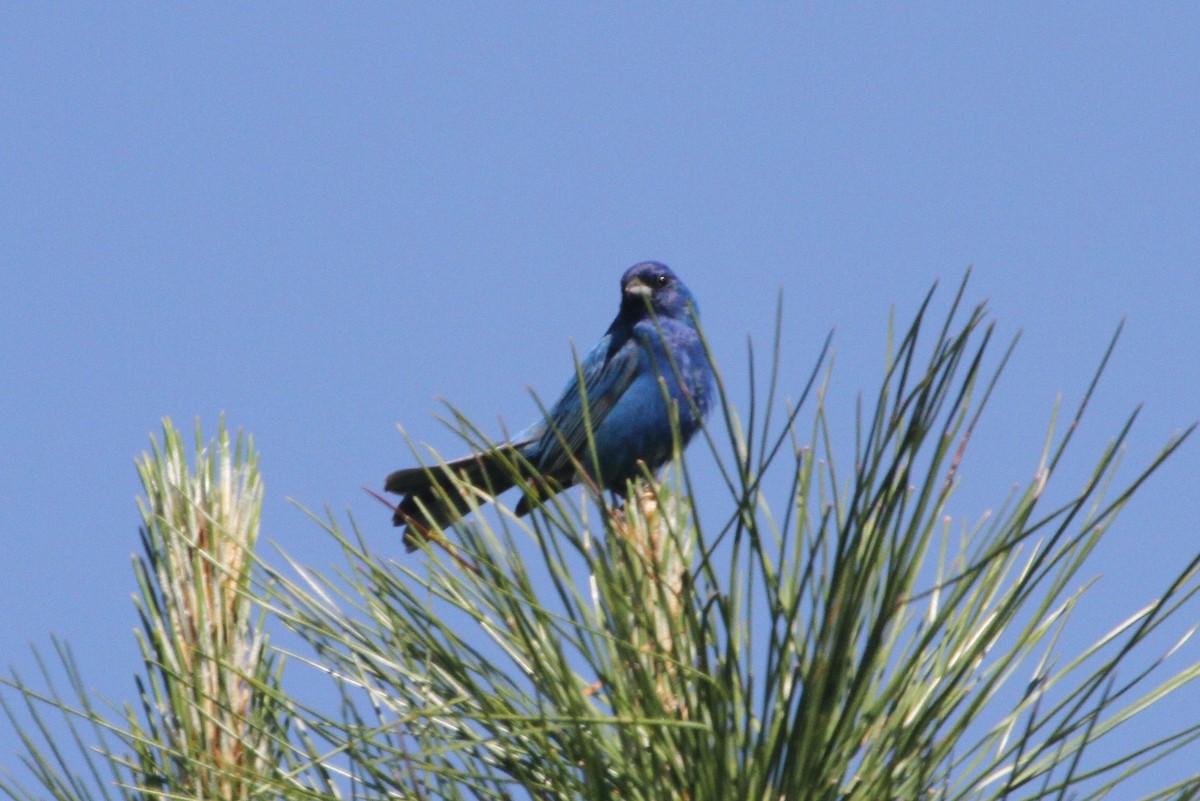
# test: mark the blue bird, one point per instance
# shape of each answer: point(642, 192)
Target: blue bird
point(651, 354)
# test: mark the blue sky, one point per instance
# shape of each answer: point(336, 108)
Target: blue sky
point(320, 219)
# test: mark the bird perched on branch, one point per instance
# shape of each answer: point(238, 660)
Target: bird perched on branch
point(650, 360)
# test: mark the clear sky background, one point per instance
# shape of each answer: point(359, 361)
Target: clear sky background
point(320, 219)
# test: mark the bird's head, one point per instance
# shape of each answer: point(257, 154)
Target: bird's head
point(654, 282)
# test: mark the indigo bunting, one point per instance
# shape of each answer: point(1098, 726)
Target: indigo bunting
point(650, 356)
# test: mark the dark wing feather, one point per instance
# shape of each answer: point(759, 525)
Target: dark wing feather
point(605, 380)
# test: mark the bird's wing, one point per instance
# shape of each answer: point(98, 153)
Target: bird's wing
point(607, 373)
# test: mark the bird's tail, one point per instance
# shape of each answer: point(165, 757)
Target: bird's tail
point(431, 497)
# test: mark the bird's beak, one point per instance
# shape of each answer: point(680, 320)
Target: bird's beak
point(637, 288)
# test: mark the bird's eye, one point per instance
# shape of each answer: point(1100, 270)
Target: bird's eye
point(660, 281)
